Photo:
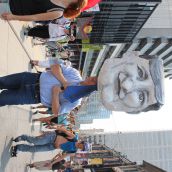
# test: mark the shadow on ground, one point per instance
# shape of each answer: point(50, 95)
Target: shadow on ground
point(22, 36)
point(5, 156)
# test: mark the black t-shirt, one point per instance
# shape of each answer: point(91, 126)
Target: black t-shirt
point(31, 7)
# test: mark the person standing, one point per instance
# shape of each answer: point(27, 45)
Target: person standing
point(32, 88)
point(52, 164)
point(60, 138)
point(42, 10)
point(50, 32)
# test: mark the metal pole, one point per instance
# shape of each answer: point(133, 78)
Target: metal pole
point(12, 28)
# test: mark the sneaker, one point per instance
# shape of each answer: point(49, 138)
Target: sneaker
point(25, 30)
point(17, 139)
point(14, 151)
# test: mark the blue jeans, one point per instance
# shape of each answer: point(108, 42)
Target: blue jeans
point(41, 143)
point(18, 89)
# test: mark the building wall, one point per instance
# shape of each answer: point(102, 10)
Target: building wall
point(155, 38)
point(162, 13)
point(160, 23)
point(154, 147)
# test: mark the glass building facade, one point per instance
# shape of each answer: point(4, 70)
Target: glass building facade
point(93, 109)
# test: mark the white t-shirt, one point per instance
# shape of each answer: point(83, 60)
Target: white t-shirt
point(56, 30)
point(51, 61)
point(63, 21)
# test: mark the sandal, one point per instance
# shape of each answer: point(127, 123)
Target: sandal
point(17, 139)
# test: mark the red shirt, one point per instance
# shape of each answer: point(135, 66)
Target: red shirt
point(91, 3)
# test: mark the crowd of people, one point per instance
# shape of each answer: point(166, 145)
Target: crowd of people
point(131, 84)
point(58, 89)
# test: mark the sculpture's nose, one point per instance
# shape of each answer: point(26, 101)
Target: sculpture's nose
point(126, 84)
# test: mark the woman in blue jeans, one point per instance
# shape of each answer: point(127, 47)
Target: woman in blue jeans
point(58, 139)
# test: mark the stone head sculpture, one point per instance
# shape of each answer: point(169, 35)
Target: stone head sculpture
point(131, 83)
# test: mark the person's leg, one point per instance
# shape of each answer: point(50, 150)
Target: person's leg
point(39, 31)
point(25, 95)
point(42, 165)
point(15, 81)
point(44, 139)
point(40, 112)
point(19, 89)
point(46, 120)
point(34, 148)
point(43, 112)
point(16, 97)
point(39, 106)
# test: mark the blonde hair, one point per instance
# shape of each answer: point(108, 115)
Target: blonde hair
point(74, 9)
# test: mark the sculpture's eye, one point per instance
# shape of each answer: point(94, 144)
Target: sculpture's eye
point(141, 97)
point(141, 73)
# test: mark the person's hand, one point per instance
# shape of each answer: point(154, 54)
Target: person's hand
point(47, 120)
point(65, 85)
point(7, 16)
point(34, 62)
point(50, 126)
point(58, 126)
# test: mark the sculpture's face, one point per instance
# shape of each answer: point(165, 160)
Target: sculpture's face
point(125, 84)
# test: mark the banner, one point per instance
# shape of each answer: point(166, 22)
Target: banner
point(88, 47)
point(84, 27)
point(95, 161)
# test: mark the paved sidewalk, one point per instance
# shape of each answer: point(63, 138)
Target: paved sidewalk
point(15, 120)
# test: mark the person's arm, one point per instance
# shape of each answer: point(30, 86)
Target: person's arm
point(57, 38)
point(55, 100)
point(44, 63)
point(39, 106)
point(36, 17)
point(57, 72)
point(64, 130)
point(54, 126)
point(56, 157)
point(63, 108)
point(45, 119)
point(64, 155)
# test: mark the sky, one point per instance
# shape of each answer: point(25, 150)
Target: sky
point(155, 120)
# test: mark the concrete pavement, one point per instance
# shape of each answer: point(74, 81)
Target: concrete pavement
point(15, 120)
